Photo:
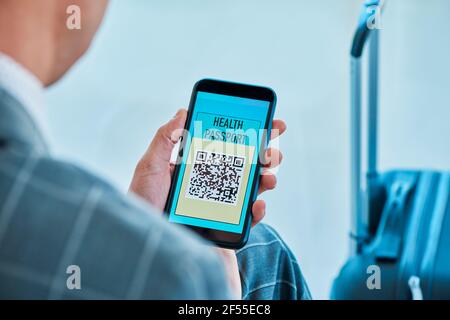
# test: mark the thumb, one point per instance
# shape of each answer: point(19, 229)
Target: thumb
point(165, 139)
point(152, 176)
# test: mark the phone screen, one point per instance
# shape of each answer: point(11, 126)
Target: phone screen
point(219, 162)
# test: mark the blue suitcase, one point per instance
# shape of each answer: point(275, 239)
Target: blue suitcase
point(401, 220)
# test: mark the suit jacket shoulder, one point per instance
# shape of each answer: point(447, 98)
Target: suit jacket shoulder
point(58, 221)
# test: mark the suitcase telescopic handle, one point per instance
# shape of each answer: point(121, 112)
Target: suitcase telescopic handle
point(367, 23)
point(365, 34)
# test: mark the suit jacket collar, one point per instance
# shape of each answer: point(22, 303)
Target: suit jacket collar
point(17, 128)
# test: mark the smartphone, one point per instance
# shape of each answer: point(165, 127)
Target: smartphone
point(217, 170)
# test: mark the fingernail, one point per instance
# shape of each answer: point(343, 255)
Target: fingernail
point(178, 112)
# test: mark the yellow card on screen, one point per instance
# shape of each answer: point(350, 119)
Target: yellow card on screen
point(215, 181)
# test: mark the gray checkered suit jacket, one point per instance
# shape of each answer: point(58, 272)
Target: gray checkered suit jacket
point(54, 215)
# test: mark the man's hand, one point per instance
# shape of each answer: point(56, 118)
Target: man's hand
point(153, 175)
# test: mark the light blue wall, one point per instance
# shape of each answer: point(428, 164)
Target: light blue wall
point(149, 54)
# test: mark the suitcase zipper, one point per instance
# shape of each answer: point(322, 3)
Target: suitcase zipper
point(411, 261)
point(414, 286)
point(435, 230)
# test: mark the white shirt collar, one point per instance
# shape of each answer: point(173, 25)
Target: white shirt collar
point(26, 88)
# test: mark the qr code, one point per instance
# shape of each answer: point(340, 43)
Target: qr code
point(215, 177)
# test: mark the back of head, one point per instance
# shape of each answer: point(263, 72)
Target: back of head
point(48, 36)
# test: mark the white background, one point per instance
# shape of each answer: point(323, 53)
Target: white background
point(148, 55)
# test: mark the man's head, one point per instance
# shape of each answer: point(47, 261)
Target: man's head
point(36, 34)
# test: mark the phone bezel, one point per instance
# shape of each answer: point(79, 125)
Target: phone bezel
point(226, 239)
